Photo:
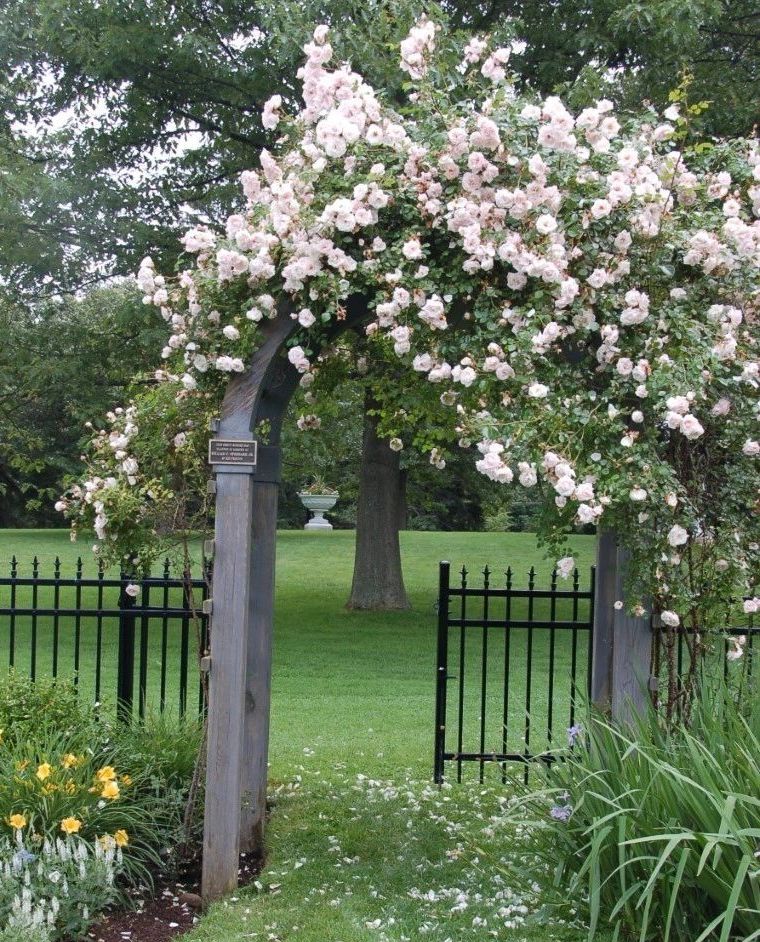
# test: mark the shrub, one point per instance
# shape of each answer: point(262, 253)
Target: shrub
point(657, 832)
point(97, 803)
point(107, 777)
point(53, 889)
point(55, 778)
point(25, 705)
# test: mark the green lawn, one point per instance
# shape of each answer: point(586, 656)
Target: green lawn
point(353, 700)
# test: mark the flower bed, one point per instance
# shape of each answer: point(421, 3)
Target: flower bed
point(88, 808)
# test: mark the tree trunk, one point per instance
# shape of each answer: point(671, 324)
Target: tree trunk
point(378, 582)
point(403, 506)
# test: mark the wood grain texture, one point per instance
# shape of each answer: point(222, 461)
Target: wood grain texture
point(243, 594)
point(259, 667)
point(604, 618)
point(631, 654)
point(224, 768)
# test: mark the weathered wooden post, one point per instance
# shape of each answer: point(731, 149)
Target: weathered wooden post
point(621, 662)
point(245, 454)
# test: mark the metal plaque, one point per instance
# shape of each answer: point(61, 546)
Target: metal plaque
point(232, 451)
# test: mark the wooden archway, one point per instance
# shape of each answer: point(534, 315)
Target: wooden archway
point(242, 604)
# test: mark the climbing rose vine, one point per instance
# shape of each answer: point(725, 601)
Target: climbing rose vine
point(581, 289)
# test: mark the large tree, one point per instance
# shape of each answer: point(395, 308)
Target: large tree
point(63, 363)
point(137, 118)
point(121, 121)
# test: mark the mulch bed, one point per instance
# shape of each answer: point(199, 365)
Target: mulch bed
point(172, 911)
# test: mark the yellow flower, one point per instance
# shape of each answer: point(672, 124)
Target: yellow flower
point(17, 821)
point(21, 766)
point(110, 790)
point(49, 787)
point(121, 837)
point(44, 770)
point(70, 788)
point(70, 825)
point(106, 774)
point(107, 842)
point(70, 761)
point(126, 780)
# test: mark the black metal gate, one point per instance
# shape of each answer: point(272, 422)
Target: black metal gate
point(511, 666)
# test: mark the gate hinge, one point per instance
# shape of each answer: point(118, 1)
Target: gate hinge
point(208, 606)
point(206, 664)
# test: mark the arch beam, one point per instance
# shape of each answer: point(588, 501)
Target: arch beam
point(243, 603)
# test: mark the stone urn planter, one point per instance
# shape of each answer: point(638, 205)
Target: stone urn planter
point(318, 504)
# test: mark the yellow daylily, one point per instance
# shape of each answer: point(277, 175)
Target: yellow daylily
point(70, 825)
point(126, 780)
point(106, 774)
point(70, 761)
point(44, 771)
point(17, 821)
point(121, 837)
point(110, 790)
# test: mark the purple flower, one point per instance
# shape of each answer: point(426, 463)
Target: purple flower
point(561, 812)
point(573, 732)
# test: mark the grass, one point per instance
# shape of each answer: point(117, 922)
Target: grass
point(353, 696)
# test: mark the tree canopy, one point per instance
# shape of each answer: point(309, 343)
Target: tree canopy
point(576, 295)
point(122, 121)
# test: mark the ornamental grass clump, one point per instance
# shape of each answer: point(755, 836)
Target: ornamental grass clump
point(656, 831)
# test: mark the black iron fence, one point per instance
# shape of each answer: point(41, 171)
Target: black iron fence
point(123, 639)
point(512, 664)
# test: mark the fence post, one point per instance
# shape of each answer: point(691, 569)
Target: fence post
point(125, 678)
point(442, 667)
point(259, 650)
point(621, 663)
point(631, 655)
point(604, 617)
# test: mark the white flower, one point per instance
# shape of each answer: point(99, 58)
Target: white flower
point(546, 223)
point(737, 647)
point(132, 590)
point(751, 448)
point(691, 427)
point(565, 566)
point(395, 444)
point(231, 332)
point(565, 486)
point(677, 536)
point(538, 391)
point(670, 619)
point(601, 208)
point(638, 494)
point(412, 249)
point(306, 318)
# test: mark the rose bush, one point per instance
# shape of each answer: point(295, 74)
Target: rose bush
point(580, 291)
